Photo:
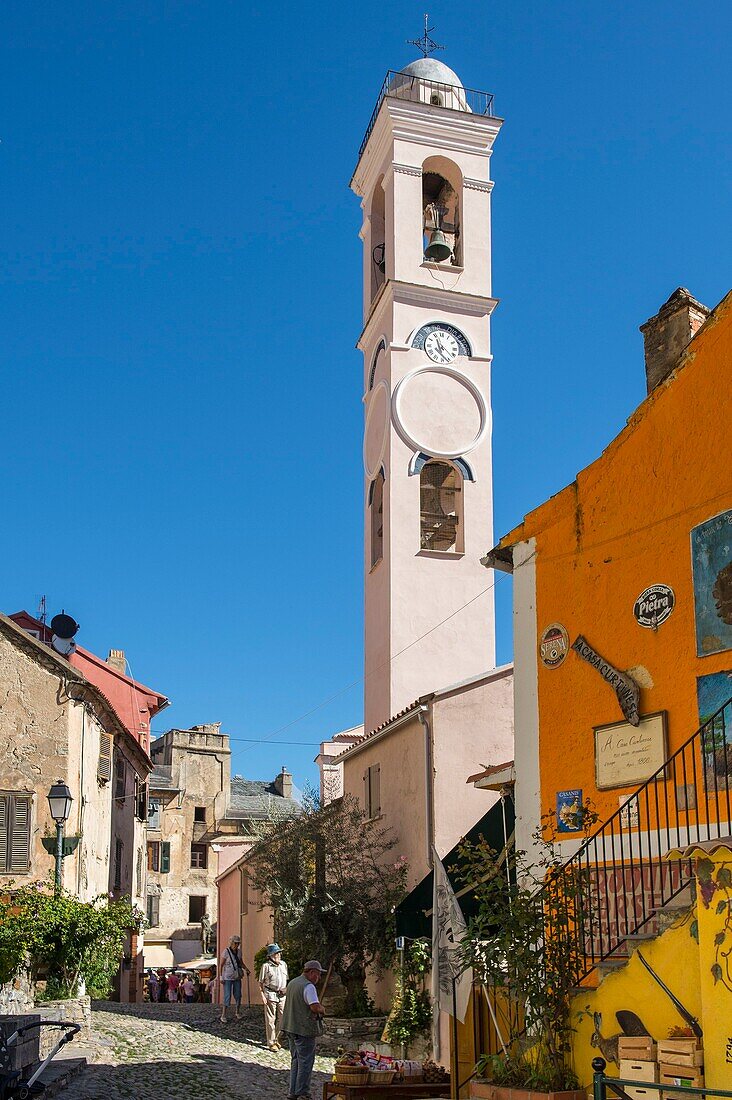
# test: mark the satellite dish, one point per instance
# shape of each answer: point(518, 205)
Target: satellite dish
point(64, 628)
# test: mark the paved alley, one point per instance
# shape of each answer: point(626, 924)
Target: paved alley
point(165, 1052)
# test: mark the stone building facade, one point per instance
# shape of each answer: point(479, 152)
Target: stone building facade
point(54, 725)
point(196, 808)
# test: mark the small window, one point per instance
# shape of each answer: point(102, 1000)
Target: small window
point(199, 856)
point(15, 823)
point(153, 814)
point(153, 855)
point(165, 857)
point(440, 487)
point(140, 799)
point(199, 815)
point(376, 512)
point(196, 908)
point(372, 791)
point(153, 910)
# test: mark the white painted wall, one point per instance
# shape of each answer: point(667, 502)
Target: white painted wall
point(526, 697)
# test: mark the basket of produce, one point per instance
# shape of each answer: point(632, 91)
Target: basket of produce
point(350, 1070)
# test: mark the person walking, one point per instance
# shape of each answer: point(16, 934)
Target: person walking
point(163, 994)
point(232, 970)
point(302, 1022)
point(173, 983)
point(273, 978)
point(153, 987)
point(189, 989)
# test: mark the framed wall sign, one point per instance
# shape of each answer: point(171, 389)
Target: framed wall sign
point(711, 559)
point(627, 755)
point(570, 811)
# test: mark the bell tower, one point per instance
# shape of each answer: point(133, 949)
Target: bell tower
point(423, 176)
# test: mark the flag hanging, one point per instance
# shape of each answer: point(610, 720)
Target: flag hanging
point(451, 984)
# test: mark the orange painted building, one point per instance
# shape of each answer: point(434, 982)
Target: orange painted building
point(582, 560)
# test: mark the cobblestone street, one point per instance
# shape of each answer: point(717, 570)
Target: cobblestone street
point(173, 1052)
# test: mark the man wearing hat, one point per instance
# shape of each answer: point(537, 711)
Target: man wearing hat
point(232, 970)
point(273, 982)
point(302, 1022)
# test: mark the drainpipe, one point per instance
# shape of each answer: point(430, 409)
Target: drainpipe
point(429, 786)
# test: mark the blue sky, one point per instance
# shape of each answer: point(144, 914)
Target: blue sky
point(181, 297)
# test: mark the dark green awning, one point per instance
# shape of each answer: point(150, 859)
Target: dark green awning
point(411, 914)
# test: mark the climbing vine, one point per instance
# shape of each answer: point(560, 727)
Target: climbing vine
point(709, 885)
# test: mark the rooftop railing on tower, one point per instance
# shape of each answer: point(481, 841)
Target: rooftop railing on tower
point(417, 89)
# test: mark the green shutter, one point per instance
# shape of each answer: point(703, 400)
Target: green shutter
point(165, 857)
point(4, 803)
point(19, 829)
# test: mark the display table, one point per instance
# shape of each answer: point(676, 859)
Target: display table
point(383, 1092)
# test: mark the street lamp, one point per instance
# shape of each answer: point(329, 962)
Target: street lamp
point(59, 803)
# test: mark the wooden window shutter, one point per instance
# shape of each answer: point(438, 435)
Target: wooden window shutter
point(376, 790)
point(19, 829)
point(104, 767)
point(4, 807)
point(165, 857)
point(367, 791)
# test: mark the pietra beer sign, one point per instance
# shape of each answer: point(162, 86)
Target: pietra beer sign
point(654, 606)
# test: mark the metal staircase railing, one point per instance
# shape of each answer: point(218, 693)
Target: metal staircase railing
point(615, 885)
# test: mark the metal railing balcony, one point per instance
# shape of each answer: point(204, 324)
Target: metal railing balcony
point(416, 89)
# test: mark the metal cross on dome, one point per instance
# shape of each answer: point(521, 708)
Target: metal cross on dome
point(425, 43)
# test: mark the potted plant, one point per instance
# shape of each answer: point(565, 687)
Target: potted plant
point(523, 946)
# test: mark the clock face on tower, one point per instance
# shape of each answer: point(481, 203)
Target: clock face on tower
point(441, 346)
point(442, 343)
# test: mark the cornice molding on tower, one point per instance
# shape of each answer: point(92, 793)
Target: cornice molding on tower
point(406, 169)
point(477, 185)
point(413, 294)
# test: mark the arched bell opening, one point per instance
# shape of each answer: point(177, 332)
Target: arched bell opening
point(377, 239)
point(441, 507)
point(441, 200)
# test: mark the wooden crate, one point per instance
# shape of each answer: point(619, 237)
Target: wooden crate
point(633, 1069)
point(680, 1052)
point(680, 1076)
point(640, 1047)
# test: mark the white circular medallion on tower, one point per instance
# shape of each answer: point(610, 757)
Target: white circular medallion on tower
point(439, 411)
point(376, 431)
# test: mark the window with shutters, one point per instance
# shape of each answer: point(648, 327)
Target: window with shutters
point(372, 791)
point(118, 852)
point(376, 518)
point(140, 799)
point(199, 856)
point(15, 823)
point(165, 857)
point(440, 503)
point(244, 883)
point(104, 767)
point(153, 855)
point(120, 776)
point(139, 871)
point(153, 910)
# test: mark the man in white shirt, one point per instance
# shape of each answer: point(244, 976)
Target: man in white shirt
point(273, 978)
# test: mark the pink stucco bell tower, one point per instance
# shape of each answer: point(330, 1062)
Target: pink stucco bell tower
point(423, 176)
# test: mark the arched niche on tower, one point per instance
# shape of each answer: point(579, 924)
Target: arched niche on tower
point(377, 237)
point(442, 195)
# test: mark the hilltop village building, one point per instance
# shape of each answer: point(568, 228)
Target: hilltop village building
point(81, 720)
point(200, 820)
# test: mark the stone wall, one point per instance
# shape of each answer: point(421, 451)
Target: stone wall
point(16, 996)
point(353, 1034)
point(23, 1053)
point(75, 1010)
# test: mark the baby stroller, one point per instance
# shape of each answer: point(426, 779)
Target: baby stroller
point(13, 1086)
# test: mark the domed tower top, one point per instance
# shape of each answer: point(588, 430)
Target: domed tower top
point(429, 68)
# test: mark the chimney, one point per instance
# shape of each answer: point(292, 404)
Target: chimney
point(667, 335)
point(283, 783)
point(116, 658)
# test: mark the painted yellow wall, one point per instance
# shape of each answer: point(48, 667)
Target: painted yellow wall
point(674, 956)
point(715, 968)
